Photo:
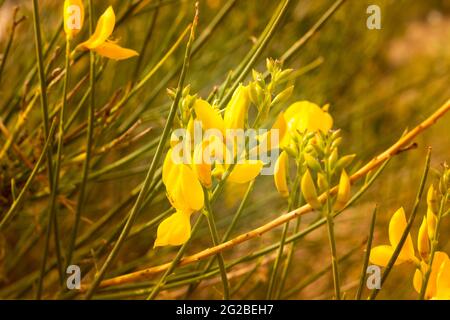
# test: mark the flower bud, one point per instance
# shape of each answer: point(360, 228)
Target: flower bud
point(312, 162)
point(344, 191)
point(423, 242)
point(309, 191)
point(280, 174)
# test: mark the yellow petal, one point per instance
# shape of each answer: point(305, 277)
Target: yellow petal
point(417, 280)
point(396, 227)
point(191, 189)
point(344, 191)
point(73, 17)
point(443, 281)
point(202, 164)
point(236, 109)
point(280, 174)
point(245, 171)
point(381, 255)
point(439, 258)
point(170, 171)
point(307, 116)
point(103, 30)
point(174, 231)
point(208, 116)
point(423, 243)
point(113, 51)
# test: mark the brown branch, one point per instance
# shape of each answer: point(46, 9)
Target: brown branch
point(395, 149)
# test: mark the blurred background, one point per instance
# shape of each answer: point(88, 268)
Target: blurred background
point(378, 83)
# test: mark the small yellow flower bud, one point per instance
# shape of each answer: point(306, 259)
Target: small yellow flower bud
point(309, 191)
point(322, 182)
point(423, 242)
point(73, 17)
point(280, 174)
point(312, 162)
point(344, 191)
point(431, 223)
point(432, 200)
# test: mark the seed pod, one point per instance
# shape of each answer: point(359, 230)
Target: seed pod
point(280, 174)
point(344, 191)
point(309, 191)
point(423, 242)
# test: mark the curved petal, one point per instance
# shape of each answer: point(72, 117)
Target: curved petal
point(113, 51)
point(174, 231)
point(103, 30)
point(208, 116)
point(396, 227)
point(443, 281)
point(191, 189)
point(236, 109)
point(380, 255)
point(245, 171)
point(280, 174)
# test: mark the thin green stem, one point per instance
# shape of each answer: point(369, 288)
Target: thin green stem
point(215, 239)
point(89, 142)
point(362, 277)
point(152, 169)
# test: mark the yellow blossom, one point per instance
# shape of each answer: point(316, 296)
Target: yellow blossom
point(435, 280)
point(380, 255)
point(99, 42)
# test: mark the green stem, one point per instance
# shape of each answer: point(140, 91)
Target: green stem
point(331, 238)
point(215, 240)
point(89, 142)
point(362, 277)
point(151, 171)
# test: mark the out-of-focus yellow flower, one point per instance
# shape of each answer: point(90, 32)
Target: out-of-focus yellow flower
point(381, 255)
point(237, 109)
point(99, 42)
point(174, 230)
point(307, 116)
point(280, 174)
point(438, 286)
point(73, 17)
point(183, 188)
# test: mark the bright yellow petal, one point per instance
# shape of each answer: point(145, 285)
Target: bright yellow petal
point(423, 243)
point(73, 17)
point(174, 231)
point(170, 171)
point(307, 116)
point(344, 191)
point(236, 110)
point(439, 258)
point(380, 255)
point(280, 174)
point(417, 280)
point(191, 189)
point(396, 227)
point(208, 116)
point(113, 51)
point(202, 164)
point(245, 171)
point(103, 30)
point(443, 281)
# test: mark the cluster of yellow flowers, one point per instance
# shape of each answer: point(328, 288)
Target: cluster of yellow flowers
point(99, 41)
point(434, 266)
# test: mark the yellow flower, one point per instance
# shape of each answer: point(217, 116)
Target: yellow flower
point(438, 286)
point(236, 110)
point(280, 174)
point(380, 255)
point(73, 17)
point(307, 116)
point(99, 42)
point(183, 188)
point(174, 230)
